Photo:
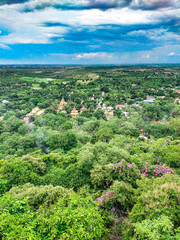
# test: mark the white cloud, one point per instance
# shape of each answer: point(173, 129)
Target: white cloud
point(156, 34)
point(171, 54)
point(157, 54)
point(79, 56)
point(93, 55)
point(28, 27)
point(147, 56)
point(124, 16)
point(4, 46)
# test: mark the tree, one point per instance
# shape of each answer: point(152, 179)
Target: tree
point(99, 114)
point(86, 113)
point(51, 110)
point(104, 135)
point(118, 113)
point(159, 130)
point(176, 124)
point(65, 141)
point(16, 171)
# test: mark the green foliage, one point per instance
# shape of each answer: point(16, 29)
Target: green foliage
point(51, 120)
point(170, 155)
point(123, 194)
point(12, 124)
point(72, 217)
point(159, 130)
point(99, 154)
point(38, 195)
point(90, 126)
point(16, 218)
point(86, 113)
point(156, 197)
point(71, 177)
point(39, 166)
point(152, 111)
point(51, 110)
point(66, 141)
point(118, 113)
point(104, 135)
point(176, 125)
point(16, 172)
point(156, 229)
point(99, 114)
point(66, 125)
point(99, 174)
point(76, 218)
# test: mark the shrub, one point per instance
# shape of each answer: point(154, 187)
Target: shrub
point(38, 195)
point(160, 228)
point(16, 171)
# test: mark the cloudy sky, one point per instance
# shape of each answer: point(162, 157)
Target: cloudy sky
point(89, 31)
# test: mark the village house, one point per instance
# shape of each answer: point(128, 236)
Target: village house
point(82, 109)
point(111, 113)
point(92, 98)
point(61, 105)
point(99, 105)
point(177, 100)
point(120, 106)
point(74, 113)
point(142, 134)
point(36, 112)
point(177, 90)
point(26, 120)
point(104, 107)
point(149, 99)
point(109, 108)
point(64, 111)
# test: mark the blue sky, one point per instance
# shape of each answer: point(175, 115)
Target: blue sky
point(89, 31)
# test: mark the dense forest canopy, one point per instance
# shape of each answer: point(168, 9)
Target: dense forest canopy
point(90, 152)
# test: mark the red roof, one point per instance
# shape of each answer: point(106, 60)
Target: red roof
point(26, 120)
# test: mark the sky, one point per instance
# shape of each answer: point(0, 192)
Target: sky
point(89, 31)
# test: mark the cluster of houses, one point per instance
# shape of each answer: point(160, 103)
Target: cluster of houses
point(74, 113)
point(109, 111)
point(149, 99)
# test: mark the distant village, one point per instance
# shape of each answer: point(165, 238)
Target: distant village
point(108, 110)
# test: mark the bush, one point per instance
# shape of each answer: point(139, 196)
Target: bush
point(65, 141)
point(156, 197)
point(16, 172)
point(38, 195)
point(73, 217)
point(156, 229)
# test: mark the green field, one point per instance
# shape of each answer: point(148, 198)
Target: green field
point(32, 79)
